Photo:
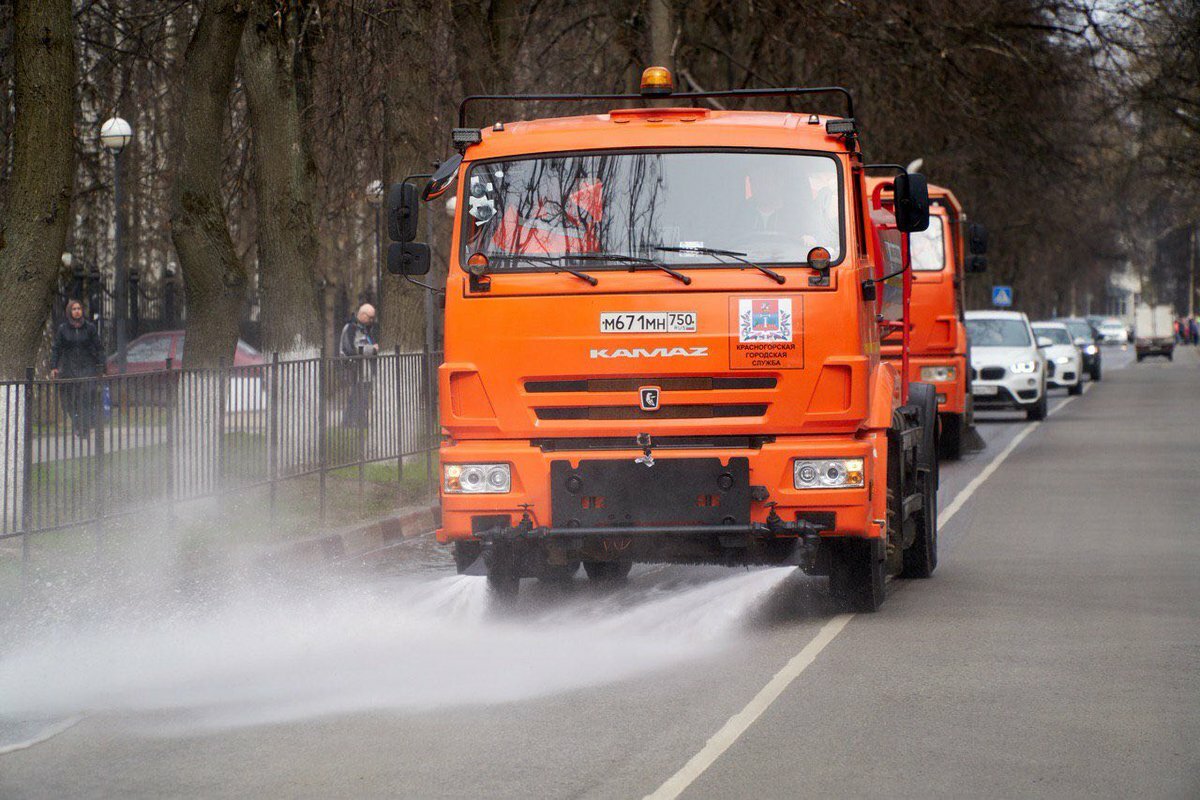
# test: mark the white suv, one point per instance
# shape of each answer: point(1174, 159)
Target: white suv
point(1064, 362)
point(1008, 369)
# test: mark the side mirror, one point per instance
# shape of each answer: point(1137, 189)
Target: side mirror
point(408, 258)
point(1045, 341)
point(976, 264)
point(977, 239)
point(910, 197)
point(402, 212)
point(442, 178)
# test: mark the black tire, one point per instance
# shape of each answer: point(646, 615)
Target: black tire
point(607, 571)
point(950, 442)
point(1037, 411)
point(920, 558)
point(857, 573)
point(1140, 357)
point(924, 397)
point(1171, 356)
point(1077, 389)
point(1095, 373)
point(503, 577)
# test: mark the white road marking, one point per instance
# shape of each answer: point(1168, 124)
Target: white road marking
point(740, 722)
point(48, 733)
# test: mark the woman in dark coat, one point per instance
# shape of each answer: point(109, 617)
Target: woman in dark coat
point(77, 353)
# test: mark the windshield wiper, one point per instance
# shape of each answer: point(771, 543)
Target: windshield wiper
point(735, 255)
point(632, 260)
point(555, 260)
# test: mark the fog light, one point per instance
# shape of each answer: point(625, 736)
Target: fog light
point(476, 478)
point(828, 473)
point(941, 398)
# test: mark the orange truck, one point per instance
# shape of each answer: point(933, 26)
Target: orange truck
point(662, 345)
point(937, 347)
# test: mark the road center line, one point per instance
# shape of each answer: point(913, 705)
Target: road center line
point(740, 722)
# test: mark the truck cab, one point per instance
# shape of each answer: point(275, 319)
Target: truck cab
point(938, 349)
point(661, 345)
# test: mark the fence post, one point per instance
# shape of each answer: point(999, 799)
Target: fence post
point(26, 408)
point(397, 411)
point(322, 427)
point(273, 427)
point(221, 392)
point(169, 470)
point(101, 467)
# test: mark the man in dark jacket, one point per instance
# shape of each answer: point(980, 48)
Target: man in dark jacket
point(357, 339)
point(76, 356)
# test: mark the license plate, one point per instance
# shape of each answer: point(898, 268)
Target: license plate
point(648, 322)
point(985, 390)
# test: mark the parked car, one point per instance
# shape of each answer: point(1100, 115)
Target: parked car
point(1064, 362)
point(1084, 337)
point(1113, 331)
point(150, 351)
point(1008, 369)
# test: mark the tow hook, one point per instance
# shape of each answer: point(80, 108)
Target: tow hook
point(644, 442)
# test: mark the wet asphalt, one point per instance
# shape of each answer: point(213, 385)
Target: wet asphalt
point(1055, 653)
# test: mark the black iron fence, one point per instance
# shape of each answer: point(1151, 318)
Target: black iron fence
point(82, 450)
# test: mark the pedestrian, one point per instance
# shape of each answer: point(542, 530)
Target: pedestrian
point(358, 341)
point(1195, 326)
point(77, 358)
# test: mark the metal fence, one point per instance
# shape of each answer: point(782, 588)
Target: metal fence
point(82, 450)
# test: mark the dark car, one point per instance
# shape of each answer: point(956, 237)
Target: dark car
point(1085, 337)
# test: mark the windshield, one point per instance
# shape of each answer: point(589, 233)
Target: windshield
point(929, 246)
point(1080, 330)
point(1056, 335)
point(773, 207)
point(997, 333)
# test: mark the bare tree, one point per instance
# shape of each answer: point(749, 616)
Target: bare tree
point(214, 276)
point(284, 175)
point(34, 228)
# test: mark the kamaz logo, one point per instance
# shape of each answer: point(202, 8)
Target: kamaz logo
point(655, 352)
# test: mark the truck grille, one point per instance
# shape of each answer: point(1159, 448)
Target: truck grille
point(675, 384)
point(666, 412)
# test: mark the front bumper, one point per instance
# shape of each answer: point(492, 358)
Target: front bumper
point(1014, 391)
point(1066, 375)
point(776, 508)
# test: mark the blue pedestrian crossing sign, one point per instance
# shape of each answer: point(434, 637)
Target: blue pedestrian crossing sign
point(1002, 296)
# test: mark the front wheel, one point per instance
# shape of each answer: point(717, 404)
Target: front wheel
point(1076, 389)
point(1095, 373)
point(857, 571)
point(1037, 411)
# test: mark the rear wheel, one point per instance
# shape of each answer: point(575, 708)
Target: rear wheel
point(856, 573)
point(950, 443)
point(920, 558)
point(607, 571)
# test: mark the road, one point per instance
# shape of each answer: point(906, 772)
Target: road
point(1055, 653)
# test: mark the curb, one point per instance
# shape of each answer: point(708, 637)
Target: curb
point(359, 539)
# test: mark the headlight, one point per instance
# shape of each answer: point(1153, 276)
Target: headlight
point(1063, 360)
point(828, 473)
point(476, 478)
point(1091, 349)
point(938, 374)
point(1022, 367)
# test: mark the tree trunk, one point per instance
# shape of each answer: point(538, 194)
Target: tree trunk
point(662, 34)
point(34, 229)
point(284, 176)
point(214, 277)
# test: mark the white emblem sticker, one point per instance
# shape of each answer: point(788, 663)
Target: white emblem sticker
point(765, 320)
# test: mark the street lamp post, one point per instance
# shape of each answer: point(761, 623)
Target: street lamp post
point(115, 134)
point(375, 198)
